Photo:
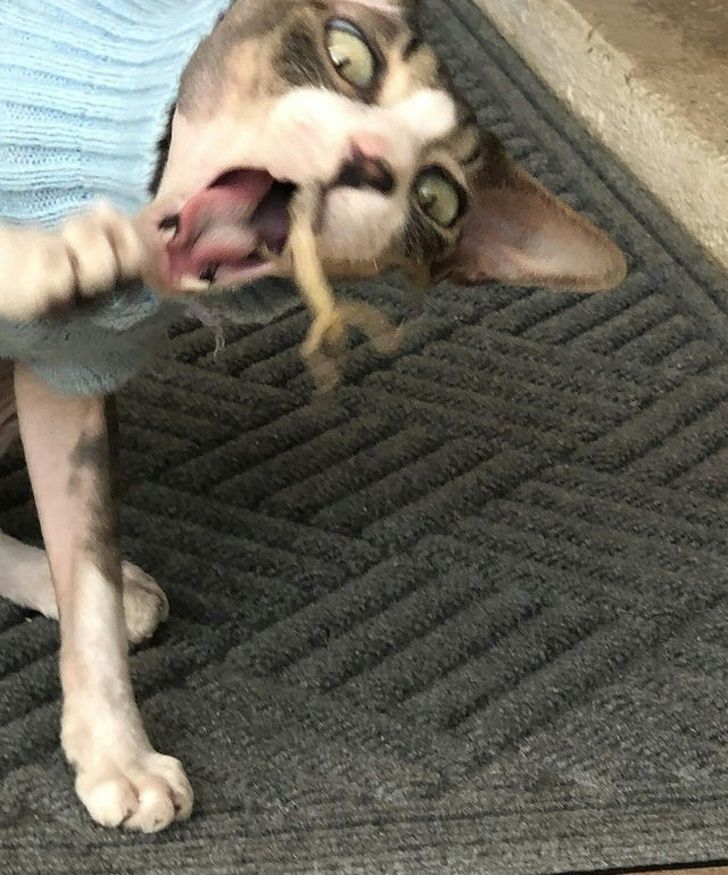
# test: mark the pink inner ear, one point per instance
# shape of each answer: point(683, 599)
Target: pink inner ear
point(523, 235)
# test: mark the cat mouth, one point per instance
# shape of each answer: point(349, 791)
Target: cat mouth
point(229, 233)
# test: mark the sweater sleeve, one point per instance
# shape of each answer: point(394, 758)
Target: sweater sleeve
point(96, 350)
point(99, 350)
point(85, 90)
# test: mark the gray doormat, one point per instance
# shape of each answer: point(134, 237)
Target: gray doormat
point(469, 615)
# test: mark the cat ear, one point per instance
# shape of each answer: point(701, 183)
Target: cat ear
point(516, 232)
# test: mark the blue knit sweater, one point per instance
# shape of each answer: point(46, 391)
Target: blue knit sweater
point(85, 89)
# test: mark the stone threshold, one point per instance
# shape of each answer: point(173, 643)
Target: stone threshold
point(649, 78)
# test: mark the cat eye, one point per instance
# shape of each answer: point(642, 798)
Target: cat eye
point(439, 196)
point(351, 54)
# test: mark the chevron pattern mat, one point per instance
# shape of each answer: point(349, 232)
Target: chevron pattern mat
point(468, 614)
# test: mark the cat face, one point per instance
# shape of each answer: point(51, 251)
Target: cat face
point(345, 95)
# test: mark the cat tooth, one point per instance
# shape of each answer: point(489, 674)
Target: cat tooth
point(169, 228)
point(209, 273)
point(265, 252)
point(193, 284)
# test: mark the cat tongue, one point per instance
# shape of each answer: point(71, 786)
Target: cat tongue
point(214, 225)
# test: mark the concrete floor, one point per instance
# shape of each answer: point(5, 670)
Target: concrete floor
point(701, 24)
point(678, 47)
point(649, 78)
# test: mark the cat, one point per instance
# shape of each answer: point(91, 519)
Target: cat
point(280, 95)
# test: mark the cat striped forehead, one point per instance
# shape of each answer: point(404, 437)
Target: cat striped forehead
point(269, 46)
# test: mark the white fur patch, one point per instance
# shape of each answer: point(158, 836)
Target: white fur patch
point(359, 225)
point(430, 114)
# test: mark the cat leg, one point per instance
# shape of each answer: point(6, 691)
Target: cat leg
point(25, 579)
point(69, 446)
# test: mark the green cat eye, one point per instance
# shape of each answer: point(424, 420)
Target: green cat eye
point(350, 53)
point(439, 197)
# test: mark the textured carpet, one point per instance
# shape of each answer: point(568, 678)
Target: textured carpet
point(469, 614)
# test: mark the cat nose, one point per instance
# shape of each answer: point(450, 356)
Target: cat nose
point(363, 171)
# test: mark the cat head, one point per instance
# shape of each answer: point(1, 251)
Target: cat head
point(346, 95)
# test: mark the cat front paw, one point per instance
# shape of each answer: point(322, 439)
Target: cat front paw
point(103, 248)
point(145, 793)
point(43, 270)
point(121, 780)
point(35, 272)
point(145, 604)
